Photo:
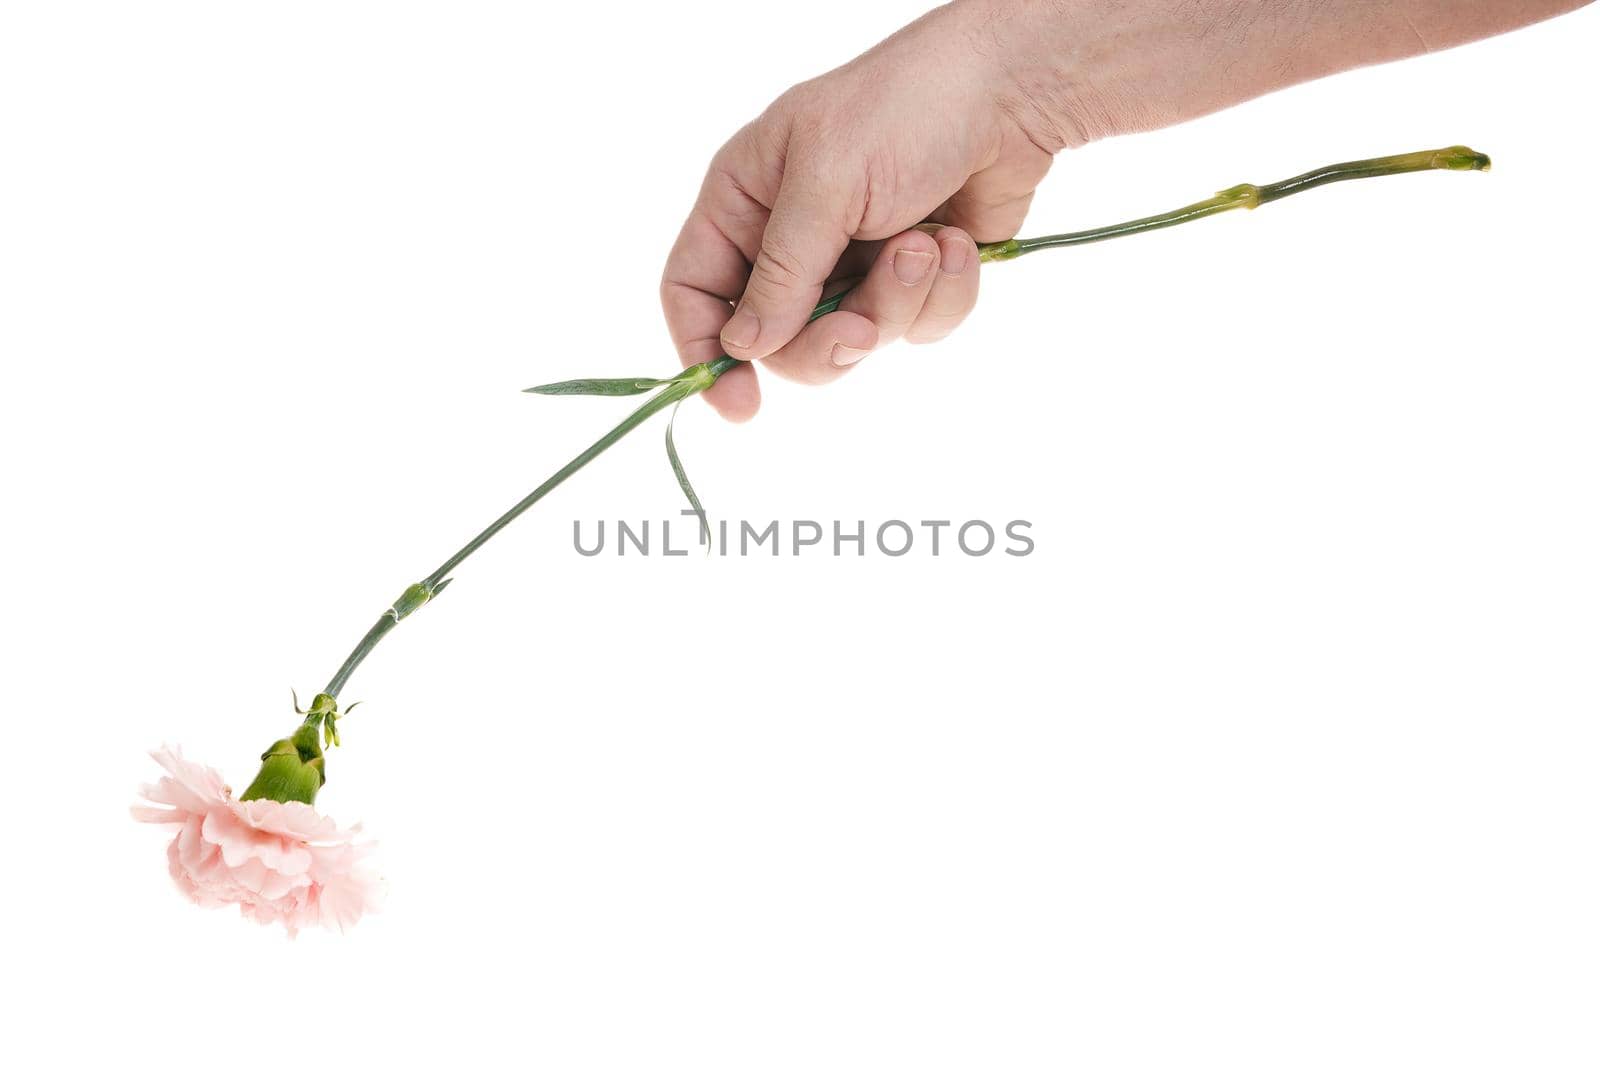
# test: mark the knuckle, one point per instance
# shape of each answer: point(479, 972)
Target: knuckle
point(730, 197)
point(778, 266)
point(934, 325)
point(894, 327)
point(795, 100)
point(880, 195)
point(809, 148)
point(894, 313)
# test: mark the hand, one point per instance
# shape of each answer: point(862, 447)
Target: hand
point(953, 121)
point(827, 187)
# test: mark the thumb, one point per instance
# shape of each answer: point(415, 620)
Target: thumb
point(804, 237)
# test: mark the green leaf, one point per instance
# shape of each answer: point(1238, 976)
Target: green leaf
point(599, 387)
point(683, 481)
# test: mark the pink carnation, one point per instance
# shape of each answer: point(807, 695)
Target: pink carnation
point(278, 862)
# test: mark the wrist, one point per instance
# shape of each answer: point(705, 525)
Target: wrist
point(1075, 71)
point(1053, 64)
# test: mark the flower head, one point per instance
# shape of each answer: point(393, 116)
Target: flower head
point(279, 861)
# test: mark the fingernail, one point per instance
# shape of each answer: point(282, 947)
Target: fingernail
point(743, 329)
point(953, 257)
point(911, 267)
point(844, 355)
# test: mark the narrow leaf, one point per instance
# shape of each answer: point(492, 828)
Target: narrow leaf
point(598, 387)
point(683, 481)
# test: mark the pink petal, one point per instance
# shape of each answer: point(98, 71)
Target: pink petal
point(280, 863)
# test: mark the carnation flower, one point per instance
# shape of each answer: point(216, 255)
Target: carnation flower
point(279, 861)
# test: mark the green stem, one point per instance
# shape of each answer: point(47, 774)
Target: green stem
point(687, 384)
point(1249, 197)
point(702, 376)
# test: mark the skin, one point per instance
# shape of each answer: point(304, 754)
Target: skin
point(888, 170)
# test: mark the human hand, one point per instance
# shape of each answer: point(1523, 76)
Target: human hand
point(827, 187)
point(953, 121)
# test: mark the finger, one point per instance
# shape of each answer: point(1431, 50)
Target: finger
point(705, 273)
point(897, 285)
point(825, 349)
point(857, 258)
point(955, 288)
point(889, 299)
point(737, 395)
point(710, 262)
point(802, 241)
point(702, 267)
point(993, 203)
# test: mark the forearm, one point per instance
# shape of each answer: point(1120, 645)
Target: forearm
point(1079, 70)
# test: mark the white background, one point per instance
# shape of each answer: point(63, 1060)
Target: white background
point(1279, 749)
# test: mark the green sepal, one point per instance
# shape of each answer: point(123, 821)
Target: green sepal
point(287, 773)
point(293, 768)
